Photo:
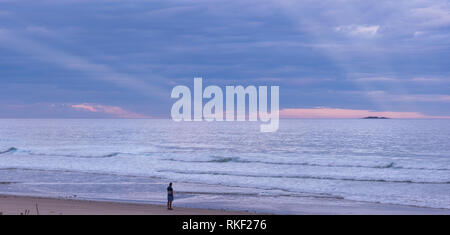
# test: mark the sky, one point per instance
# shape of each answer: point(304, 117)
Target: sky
point(121, 59)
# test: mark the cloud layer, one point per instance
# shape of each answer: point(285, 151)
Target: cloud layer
point(355, 55)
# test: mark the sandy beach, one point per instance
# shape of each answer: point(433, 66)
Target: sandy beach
point(15, 205)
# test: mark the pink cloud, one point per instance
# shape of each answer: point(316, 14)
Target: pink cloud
point(347, 113)
point(115, 111)
point(85, 107)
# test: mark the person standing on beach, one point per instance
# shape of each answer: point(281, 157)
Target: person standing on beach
point(169, 196)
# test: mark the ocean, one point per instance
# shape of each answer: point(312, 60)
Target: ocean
point(229, 165)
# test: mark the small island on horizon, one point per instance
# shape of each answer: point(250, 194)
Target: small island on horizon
point(375, 117)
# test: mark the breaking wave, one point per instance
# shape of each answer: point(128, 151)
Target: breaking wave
point(239, 160)
point(12, 149)
point(304, 177)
